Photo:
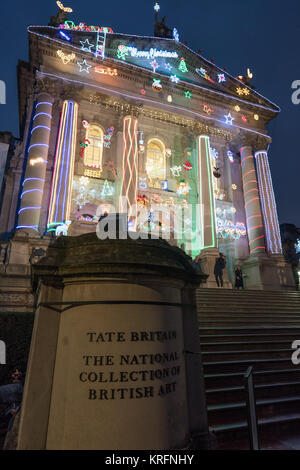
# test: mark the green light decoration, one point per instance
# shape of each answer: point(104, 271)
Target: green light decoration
point(182, 66)
point(107, 190)
point(188, 95)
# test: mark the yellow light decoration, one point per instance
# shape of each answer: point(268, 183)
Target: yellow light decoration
point(234, 187)
point(242, 91)
point(249, 74)
point(106, 71)
point(256, 117)
point(237, 109)
point(66, 58)
point(36, 161)
point(65, 9)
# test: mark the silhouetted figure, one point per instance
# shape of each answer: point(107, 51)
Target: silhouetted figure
point(239, 282)
point(218, 271)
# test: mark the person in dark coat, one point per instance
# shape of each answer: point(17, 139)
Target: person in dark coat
point(239, 282)
point(219, 267)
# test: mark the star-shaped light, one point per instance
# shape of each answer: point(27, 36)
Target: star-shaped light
point(154, 65)
point(156, 7)
point(229, 119)
point(221, 77)
point(84, 67)
point(176, 170)
point(188, 95)
point(174, 79)
point(168, 67)
point(86, 46)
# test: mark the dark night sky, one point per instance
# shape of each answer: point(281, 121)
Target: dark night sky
point(262, 34)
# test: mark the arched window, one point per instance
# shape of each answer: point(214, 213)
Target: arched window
point(94, 152)
point(156, 159)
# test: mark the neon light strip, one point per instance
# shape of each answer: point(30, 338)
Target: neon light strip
point(34, 227)
point(257, 248)
point(44, 102)
point(251, 200)
point(28, 209)
point(130, 156)
point(255, 239)
point(250, 191)
point(61, 188)
point(268, 203)
point(33, 179)
point(37, 145)
point(44, 114)
point(148, 100)
point(31, 191)
point(40, 127)
point(253, 228)
point(142, 68)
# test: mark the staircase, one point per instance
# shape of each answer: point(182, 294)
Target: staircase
point(243, 328)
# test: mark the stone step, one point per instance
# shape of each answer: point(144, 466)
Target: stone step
point(213, 356)
point(230, 413)
point(245, 345)
point(245, 338)
point(247, 323)
point(230, 379)
point(235, 394)
point(253, 329)
point(241, 365)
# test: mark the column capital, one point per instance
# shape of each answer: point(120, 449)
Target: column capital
point(255, 141)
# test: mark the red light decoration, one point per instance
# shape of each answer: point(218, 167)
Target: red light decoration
point(187, 166)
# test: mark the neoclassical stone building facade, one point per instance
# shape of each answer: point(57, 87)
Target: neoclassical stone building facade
point(104, 115)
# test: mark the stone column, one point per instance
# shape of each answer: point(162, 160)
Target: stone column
point(61, 190)
point(34, 181)
point(256, 233)
point(206, 194)
point(268, 203)
point(130, 162)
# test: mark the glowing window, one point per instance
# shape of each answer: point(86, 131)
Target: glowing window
point(156, 159)
point(94, 152)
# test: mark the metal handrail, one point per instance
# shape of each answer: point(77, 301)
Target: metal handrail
point(251, 410)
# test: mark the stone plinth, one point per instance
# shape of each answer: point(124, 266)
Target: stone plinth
point(207, 260)
point(268, 273)
point(111, 363)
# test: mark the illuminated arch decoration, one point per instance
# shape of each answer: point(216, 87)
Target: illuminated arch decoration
point(61, 190)
point(130, 162)
point(156, 159)
point(93, 154)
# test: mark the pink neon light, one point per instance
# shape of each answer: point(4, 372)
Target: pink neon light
point(250, 191)
point(248, 172)
point(255, 239)
point(257, 248)
point(253, 228)
point(251, 181)
point(246, 158)
point(251, 200)
point(253, 217)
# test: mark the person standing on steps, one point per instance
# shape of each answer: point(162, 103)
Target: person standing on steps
point(239, 282)
point(219, 267)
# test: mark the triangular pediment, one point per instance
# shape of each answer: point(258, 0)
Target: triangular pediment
point(164, 57)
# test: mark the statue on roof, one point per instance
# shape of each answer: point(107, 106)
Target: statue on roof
point(161, 30)
point(61, 16)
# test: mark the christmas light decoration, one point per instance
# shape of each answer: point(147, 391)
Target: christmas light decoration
point(156, 85)
point(237, 108)
point(65, 9)
point(165, 185)
point(234, 187)
point(155, 65)
point(152, 53)
point(130, 162)
point(243, 91)
point(37, 161)
point(83, 146)
point(174, 79)
point(168, 153)
point(213, 153)
point(107, 190)
point(169, 67)
point(176, 170)
point(182, 66)
point(143, 183)
point(183, 188)
point(188, 95)
point(267, 198)
point(85, 124)
point(156, 7)
point(108, 136)
point(111, 167)
point(221, 77)
point(229, 119)
point(203, 73)
point(187, 165)
point(175, 35)
point(207, 109)
point(256, 117)
point(244, 119)
point(170, 99)
point(64, 36)
point(61, 193)
point(66, 58)
point(122, 52)
point(84, 67)
point(230, 156)
point(86, 46)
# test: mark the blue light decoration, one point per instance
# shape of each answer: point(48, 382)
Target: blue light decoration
point(174, 79)
point(84, 67)
point(86, 46)
point(64, 36)
point(175, 35)
point(165, 185)
point(229, 119)
point(60, 200)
